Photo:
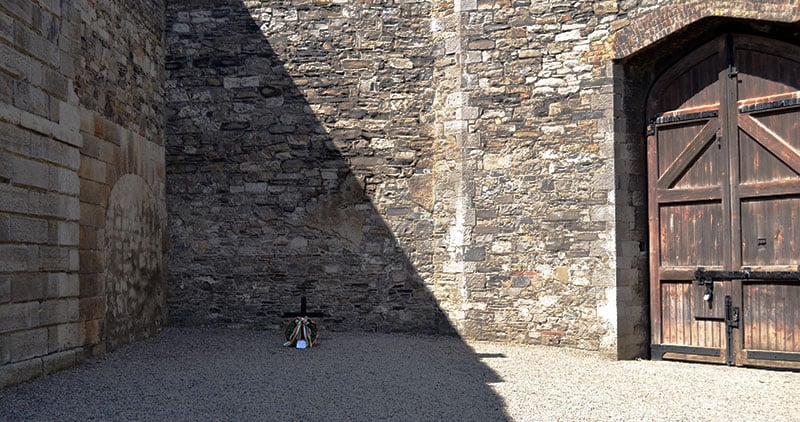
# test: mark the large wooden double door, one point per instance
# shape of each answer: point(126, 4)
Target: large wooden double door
point(723, 151)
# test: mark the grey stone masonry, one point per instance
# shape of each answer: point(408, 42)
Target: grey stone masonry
point(81, 105)
point(474, 167)
point(394, 161)
point(298, 165)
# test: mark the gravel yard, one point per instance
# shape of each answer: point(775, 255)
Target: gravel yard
point(214, 374)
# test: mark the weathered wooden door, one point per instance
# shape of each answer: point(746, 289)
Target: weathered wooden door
point(723, 153)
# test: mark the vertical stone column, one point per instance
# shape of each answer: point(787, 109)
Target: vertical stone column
point(456, 163)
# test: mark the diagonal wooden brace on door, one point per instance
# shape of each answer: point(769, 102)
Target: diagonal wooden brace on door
point(689, 154)
point(771, 141)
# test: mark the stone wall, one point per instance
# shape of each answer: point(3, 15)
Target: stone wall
point(80, 108)
point(473, 166)
point(298, 163)
point(531, 245)
point(493, 148)
point(478, 137)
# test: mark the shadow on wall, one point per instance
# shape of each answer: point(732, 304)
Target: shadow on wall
point(271, 166)
point(266, 203)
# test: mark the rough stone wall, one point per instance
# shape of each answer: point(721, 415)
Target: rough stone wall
point(488, 139)
point(298, 163)
point(119, 81)
point(531, 239)
point(80, 106)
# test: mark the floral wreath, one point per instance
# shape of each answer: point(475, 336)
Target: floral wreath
point(301, 328)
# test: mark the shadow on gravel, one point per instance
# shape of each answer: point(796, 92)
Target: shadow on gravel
point(277, 143)
point(214, 374)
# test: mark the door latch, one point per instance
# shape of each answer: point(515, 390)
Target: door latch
point(731, 322)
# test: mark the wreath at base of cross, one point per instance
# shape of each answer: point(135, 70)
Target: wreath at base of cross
point(301, 328)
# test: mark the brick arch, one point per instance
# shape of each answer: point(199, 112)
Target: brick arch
point(660, 23)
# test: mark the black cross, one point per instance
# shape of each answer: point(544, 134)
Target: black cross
point(303, 312)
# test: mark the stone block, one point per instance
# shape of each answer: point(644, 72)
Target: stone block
point(92, 215)
point(19, 65)
point(25, 229)
point(16, 373)
point(98, 148)
point(55, 152)
point(18, 316)
point(92, 330)
point(93, 169)
point(64, 180)
point(91, 261)
point(63, 360)
point(36, 45)
point(475, 254)
point(28, 287)
point(69, 116)
point(91, 238)
point(28, 344)
point(55, 205)
point(56, 85)
point(14, 257)
point(5, 350)
point(6, 27)
point(483, 44)
point(31, 99)
point(58, 311)
point(67, 233)
point(92, 308)
point(94, 193)
point(63, 285)
point(14, 199)
point(53, 258)
point(65, 336)
point(29, 172)
point(6, 88)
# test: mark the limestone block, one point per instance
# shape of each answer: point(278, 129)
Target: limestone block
point(28, 287)
point(65, 336)
point(16, 373)
point(25, 229)
point(15, 257)
point(62, 360)
point(29, 172)
point(59, 311)
point(28, 344)
point(18, 316)
point(68, 233)
point(54, 258)
point(55, 152)
point(31, 99)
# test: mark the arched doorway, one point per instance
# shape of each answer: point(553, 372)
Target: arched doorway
point(723, 154)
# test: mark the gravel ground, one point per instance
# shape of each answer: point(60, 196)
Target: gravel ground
point(212, 374)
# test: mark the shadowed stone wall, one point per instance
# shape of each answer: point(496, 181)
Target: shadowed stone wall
point(81, 107)
point(493, 144)
point(298, 164)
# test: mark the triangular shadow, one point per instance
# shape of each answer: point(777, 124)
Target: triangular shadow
point(273, 160)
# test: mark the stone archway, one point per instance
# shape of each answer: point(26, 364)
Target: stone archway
point(135, 286)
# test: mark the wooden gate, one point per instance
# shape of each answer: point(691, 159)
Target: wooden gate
point(723, 151)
